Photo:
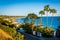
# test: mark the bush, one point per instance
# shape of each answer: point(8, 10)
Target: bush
point(19, 37)
point(46, 32)
point(12, 32)
point(27, 28)
point(8, 27)
point(9, 30)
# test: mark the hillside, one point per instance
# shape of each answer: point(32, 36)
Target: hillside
point(8, 30)
point(4, 35)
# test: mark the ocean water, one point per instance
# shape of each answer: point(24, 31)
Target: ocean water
point(55, 22)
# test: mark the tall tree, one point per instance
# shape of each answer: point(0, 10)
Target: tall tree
point(41, 13)
point(46, 8)
point(52, 11)
point(32, 16)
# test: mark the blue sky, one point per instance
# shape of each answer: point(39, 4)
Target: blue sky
point(23, 7)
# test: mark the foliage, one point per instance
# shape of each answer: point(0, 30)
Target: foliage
point(12, 32)
point(6, 22)
point(42, 12)
point(46, 32)
point(7, 29)
point(27, 28)
point(19, 37)
point(6, 26)
point(32, 16)
point(46, 8)
point(52, 11)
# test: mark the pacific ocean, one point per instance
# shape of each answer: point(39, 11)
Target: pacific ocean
point(55, 21)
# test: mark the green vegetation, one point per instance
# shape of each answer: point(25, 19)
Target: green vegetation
point(52, 11)
point(27, 28)
point(46, 31)
point(46, 8)
point(7, 24)
point(42, 13)
point(7, 27)
point(32, 16)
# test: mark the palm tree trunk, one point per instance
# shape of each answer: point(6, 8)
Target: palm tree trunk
point(41, 20)
point(51, 20)
point(47, 20)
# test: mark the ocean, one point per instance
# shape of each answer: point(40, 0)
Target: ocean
point(55, 22)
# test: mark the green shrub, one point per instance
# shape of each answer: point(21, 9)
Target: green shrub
point(27, 28)
point(8, 27)
point(19, 36)
point(46, 32)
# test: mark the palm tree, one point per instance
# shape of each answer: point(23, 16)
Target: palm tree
point(52, 11)
point(42, 13)
point(46, 8)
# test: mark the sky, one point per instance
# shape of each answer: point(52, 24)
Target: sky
point(23, 7)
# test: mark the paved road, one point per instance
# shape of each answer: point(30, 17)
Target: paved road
point(31, 37)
